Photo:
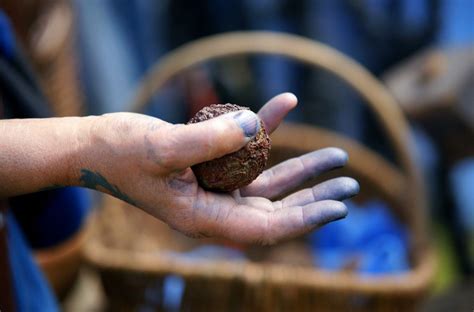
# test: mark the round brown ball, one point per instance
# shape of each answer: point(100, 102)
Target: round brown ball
point(235, 170)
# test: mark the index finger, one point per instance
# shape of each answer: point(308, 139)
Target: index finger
point(273, 112)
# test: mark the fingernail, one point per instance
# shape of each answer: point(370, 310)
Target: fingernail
point(248, 121)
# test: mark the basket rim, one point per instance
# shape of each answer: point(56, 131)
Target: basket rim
point(417, 279)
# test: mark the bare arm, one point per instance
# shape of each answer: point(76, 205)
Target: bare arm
point(146, 162)
point(37, 154)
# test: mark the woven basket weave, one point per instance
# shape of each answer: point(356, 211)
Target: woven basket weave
point(134, 252)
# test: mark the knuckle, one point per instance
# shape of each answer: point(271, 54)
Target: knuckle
point(207, 143)
point(169, 147)
point(167, 158)
point(219, 137)
point(221, 128)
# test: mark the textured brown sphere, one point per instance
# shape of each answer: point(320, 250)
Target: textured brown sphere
point(237, 169)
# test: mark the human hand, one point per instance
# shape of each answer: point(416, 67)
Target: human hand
point(146, 162)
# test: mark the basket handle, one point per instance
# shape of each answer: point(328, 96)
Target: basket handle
point(317, 55)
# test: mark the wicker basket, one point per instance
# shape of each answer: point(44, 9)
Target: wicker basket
point(134, 252)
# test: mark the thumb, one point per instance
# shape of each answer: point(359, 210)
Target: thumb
point(199, 142)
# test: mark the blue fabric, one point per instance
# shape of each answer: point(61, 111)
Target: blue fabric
point(7, 41)
point(65, 214)
point(32, 292)
point(462, 182)
point(173, 289)
point(457, 23)
point(369, 240)
point(50, 217)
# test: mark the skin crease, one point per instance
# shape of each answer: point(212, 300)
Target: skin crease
point(146, 162)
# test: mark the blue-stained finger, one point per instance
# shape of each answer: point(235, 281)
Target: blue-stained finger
point(249, 224)
point(294, 221)
point(291, 173)
point(334, 189)
point(323, 212)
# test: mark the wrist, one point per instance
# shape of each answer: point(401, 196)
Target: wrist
point(38, 154)
point(81, 150)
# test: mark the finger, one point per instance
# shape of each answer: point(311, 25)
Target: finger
point(273, 112)
point(187, 145)
point(291, 173)
point(294, 221)
point(334, 189)
point(251, 225)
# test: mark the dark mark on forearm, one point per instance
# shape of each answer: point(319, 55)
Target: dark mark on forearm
point(96, 181)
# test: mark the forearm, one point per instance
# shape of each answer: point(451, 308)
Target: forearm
point(37, 154)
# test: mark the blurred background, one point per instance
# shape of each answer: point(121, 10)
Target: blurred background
point(85, 57)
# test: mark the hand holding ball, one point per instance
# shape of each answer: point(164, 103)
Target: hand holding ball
point(237, 169)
